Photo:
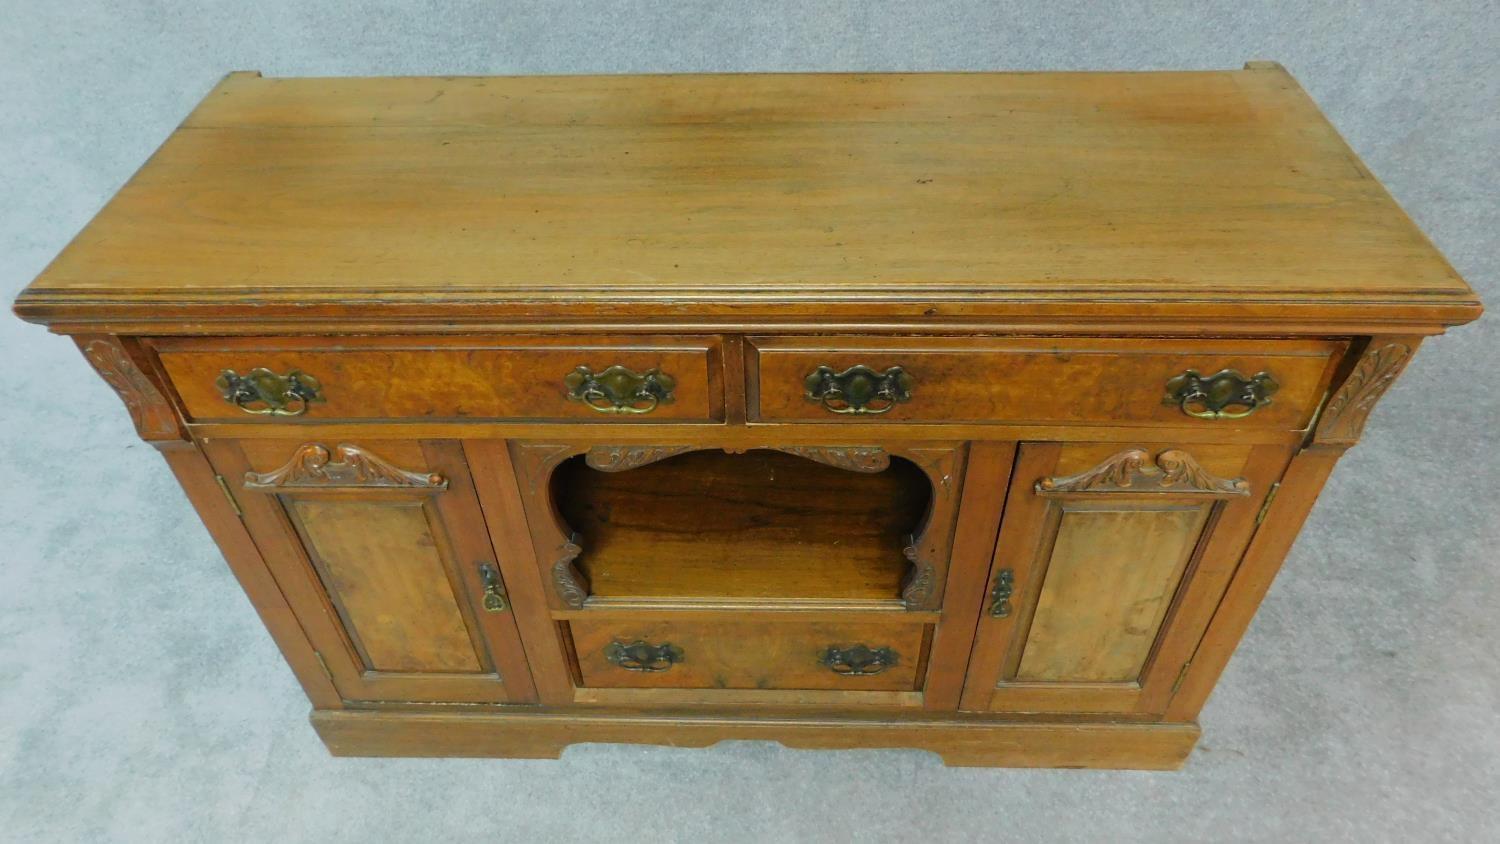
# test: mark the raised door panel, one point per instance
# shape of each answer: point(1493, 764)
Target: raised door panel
point(381, 550)
point(381, 566)
point(1109, 563)
point(1110, 577)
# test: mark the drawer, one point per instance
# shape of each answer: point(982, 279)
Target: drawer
point(1040, 381)
point(632, 379)
point(749, 655)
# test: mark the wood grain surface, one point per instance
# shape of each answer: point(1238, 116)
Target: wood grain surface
point(1121, 189)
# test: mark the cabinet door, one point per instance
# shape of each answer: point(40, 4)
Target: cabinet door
point(382, 553)
point(1110, 561)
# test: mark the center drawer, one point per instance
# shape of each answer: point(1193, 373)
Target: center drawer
point(577, 379)
point(1248, 383)
point(749, 655)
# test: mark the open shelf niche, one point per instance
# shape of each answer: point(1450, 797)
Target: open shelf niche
point(762, 526)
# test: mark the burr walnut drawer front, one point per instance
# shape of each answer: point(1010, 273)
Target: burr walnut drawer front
point(1046, 381)
point(579, 379)
point(749, 655)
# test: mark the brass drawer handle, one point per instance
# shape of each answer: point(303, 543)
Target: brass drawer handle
point(1005, 584)
point(620, 390)
point(1224, 395)
point(643, 656)
point(263, 392)
point(859, 660)
point(859, 389)
point(494, 595)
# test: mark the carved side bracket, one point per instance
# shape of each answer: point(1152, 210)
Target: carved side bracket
point(1343, 420)
point(921, 580)
point(152, 414)
point(348, 466)
point(853, 458)
point(572, 586)
point(928, 550)
point(1134, 470)
point(556, 545)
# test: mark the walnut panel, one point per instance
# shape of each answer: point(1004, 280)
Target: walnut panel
point(1112, 573)
point(381, 566)
point(459, 380)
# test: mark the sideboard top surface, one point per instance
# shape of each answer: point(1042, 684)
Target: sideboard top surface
point(1188, 196)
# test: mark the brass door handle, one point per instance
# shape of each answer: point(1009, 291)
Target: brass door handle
point(620, 390)
point(643, 656)
point(1005, 584)
point(859, 660)
point(494, 594)
point(1224, 395)
point(858, 389)
point(263, 392)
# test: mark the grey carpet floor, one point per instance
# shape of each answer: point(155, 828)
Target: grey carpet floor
point(140, 698)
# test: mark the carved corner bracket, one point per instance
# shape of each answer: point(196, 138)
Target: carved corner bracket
point(150, 411)
point(346, 466)
point(1136, 470)
point(1343, 419)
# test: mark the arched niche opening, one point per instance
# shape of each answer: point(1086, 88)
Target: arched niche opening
point(759, 525)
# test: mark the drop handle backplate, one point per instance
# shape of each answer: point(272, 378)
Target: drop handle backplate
point(494, 593)
point(264, 393)
point(858, 660)
point(858, 389)
point(620, 390)
point(1005, 584)
point(1226, 394)
point(643, 656)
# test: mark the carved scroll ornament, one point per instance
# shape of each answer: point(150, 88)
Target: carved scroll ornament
point(1135, 470)
point(313, 466)
point(868, 459)
point(619, 458)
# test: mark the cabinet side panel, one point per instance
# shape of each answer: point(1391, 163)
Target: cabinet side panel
point(201, 485)
point(1300, 485)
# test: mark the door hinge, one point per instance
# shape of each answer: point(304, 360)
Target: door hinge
point(235, 505)
point(1181, 675)
point(1265, 506)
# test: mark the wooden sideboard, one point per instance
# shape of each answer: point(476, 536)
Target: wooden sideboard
point(966, 412)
